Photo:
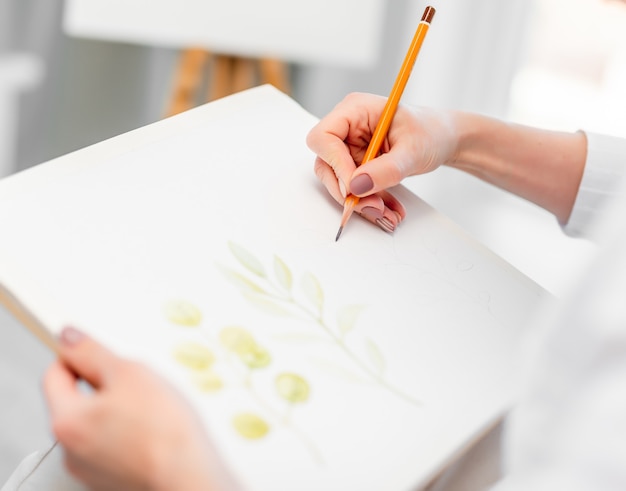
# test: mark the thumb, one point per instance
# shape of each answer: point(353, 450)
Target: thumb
point(87, 358)
point(376, 175)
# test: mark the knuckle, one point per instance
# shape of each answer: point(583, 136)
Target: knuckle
point(311, 137)
point(394, 172)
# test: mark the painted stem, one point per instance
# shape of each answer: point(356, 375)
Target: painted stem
point(343, 346)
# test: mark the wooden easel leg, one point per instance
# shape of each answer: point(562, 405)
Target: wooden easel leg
point(244, 74)
point(187, 81)
point(275, 72)
point(228, 74)
point(220, 82)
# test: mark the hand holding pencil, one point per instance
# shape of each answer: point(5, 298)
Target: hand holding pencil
point(318, 140)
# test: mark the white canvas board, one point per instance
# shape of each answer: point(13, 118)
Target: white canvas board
point(406, 343)
point(346, 32)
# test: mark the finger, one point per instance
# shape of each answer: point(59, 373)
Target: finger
point(351, 122)
point(393, 204)
point(75, 466)
point(87, 358)
point(371, 207)
point(60, 390)
point(376, 175)
point(327, 177)
point(331, 150)
point(383, 210)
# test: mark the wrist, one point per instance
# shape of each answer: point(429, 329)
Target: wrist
point(192, 466)
point(541, 166)
point(475, 151)
point(175, 466)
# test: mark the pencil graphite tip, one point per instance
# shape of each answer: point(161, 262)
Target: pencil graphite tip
point(348, 208)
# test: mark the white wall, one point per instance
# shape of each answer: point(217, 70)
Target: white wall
point(472, 52)
point(18, 71)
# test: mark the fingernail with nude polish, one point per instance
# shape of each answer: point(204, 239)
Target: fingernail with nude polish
point(361, 184)
point(371, 213)
point(70, 336)
point(386, 224)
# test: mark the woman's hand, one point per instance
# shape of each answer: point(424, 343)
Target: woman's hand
point(132, 431)
point(542, 166)
point(418, 141)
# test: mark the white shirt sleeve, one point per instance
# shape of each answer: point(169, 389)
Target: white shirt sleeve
point(604, 169)
point(568, 430)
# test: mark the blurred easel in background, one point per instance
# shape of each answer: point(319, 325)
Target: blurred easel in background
point(203, 76)
point(226, 47)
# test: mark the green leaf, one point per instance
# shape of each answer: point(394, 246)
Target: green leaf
point(283, 274)
point(257, 357)
point(313, 291)
point(267, 305)
point(292, 387)
point(247, 259)
point(250, 426)
point(208, 381)
point(241, 282)
point(347, 316)
point(194, 355)
point(237, 340)
point(376, 357)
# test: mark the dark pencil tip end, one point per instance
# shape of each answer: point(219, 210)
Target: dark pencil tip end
point(339, 233)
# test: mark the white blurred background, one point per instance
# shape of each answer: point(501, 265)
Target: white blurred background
point(558, 64)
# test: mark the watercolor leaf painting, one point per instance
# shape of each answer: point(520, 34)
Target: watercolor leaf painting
point(232, 353)
point(238, 356)
point(275, 295)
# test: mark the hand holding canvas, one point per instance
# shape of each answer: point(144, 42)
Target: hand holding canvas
point(133, 431)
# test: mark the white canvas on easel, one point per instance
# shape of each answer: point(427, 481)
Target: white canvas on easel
point(345, 32)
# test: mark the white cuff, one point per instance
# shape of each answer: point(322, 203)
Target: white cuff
point(43, 471)
point(604, 169)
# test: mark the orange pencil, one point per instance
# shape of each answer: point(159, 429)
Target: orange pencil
point(380, 132)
